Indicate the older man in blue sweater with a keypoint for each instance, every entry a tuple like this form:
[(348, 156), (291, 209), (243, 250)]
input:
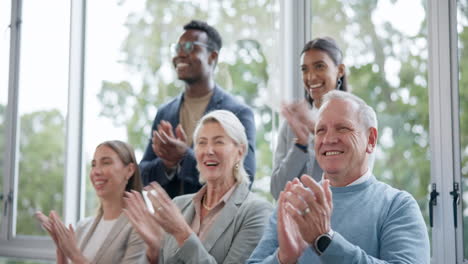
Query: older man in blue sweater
[(350, 217)]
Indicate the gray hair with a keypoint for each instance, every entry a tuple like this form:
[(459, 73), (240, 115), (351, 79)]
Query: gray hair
[(367, 115), (235, 130)]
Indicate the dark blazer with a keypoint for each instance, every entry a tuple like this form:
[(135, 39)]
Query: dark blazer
[(122, 244), (231, 239), (186, 179)]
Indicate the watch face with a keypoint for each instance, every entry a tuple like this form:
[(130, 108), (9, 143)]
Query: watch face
[(323, 242)]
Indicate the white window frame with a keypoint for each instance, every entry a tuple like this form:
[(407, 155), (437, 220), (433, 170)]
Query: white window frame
[(447, 241), (295, 31), (37, 247)]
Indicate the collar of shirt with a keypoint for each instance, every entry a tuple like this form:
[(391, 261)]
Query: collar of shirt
[(359, 180)]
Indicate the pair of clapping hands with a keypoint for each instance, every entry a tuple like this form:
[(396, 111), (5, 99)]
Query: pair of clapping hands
[(63, 237), (304, 213), (166, 217), (167, 146)]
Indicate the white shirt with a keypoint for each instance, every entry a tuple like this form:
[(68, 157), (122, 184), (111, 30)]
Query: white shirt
[(100, 234), (359, 180)]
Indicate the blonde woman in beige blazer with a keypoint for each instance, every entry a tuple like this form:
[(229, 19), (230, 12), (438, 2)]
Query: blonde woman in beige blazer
[(109, 237), (221, 223)]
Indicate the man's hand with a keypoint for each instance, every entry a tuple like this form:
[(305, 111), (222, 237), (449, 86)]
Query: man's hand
[(310, 208), (291, 244), (167, 146)]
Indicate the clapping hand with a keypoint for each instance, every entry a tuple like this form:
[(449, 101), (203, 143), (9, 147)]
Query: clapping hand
[(169, 147)]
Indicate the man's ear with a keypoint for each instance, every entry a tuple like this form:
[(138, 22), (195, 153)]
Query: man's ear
[(213, 58), (371, 140)]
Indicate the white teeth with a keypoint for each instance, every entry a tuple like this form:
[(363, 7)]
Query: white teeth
[(211, 163), (331, 153), (315, 85), (181, 64), (98, 183)]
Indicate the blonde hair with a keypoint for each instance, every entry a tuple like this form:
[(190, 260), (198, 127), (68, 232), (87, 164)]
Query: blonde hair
[(235, 130)]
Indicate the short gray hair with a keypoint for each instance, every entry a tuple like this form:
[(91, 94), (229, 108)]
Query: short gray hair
[(235, 130), (367, 115)]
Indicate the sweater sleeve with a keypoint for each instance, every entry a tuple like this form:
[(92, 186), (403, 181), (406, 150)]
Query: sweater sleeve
[(403, 238)]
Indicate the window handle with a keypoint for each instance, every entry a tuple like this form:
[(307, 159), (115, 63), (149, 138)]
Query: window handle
[(456, 200), (8, 200), (432, 202)]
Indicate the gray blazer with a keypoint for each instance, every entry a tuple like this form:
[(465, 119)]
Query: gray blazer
[(231, 239), (122, 244), (291, 162)]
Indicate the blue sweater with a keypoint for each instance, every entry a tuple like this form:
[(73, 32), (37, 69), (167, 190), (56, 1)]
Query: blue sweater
[(374, 223)]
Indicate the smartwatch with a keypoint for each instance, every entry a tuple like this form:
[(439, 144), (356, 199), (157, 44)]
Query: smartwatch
[(322, 242)]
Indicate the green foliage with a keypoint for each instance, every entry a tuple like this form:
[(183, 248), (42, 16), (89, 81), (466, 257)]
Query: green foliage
[(402, 104), (41, 167), (243, 70)]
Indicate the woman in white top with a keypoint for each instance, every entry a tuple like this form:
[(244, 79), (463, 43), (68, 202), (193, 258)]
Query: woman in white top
[(108, 237), (322, 71)]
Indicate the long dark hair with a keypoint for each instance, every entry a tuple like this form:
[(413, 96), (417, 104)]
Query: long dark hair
[(329, 46)]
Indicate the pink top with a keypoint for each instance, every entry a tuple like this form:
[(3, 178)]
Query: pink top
[(201, 228)]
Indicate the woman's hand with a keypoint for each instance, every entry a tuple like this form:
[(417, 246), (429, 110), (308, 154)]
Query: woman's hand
[(297, 115), (66, 239), (167, 214), (46, 223), (144, 223)]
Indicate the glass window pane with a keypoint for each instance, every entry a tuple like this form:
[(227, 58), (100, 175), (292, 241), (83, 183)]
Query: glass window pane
[(129, 70), (5, 11), (42, 107), (386, 54), (4, 260), (462, 29)]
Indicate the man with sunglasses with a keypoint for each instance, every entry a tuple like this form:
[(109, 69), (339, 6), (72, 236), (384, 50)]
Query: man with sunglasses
[(169, 158)]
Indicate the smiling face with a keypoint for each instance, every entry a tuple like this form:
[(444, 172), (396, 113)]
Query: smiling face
[(196, 65), (342, 143), (319, 74), (109, 175), (216, 154)]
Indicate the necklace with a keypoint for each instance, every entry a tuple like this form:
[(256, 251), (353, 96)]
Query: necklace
[(206, 206)]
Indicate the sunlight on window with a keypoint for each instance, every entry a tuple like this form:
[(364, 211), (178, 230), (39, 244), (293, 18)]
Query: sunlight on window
[(42, 107)]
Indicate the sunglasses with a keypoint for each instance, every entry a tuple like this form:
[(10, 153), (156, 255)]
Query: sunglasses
[(187, 47)]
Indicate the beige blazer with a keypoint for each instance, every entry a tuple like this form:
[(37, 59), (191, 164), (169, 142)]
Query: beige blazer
[(122, 244), (231, 239)]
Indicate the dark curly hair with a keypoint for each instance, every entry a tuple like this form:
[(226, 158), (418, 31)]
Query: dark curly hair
[(214, 39), (329, 46)]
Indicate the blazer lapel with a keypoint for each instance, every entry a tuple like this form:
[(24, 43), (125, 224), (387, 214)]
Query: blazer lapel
[(170, 244), (90, 232), (216, 99), (226, 216), (113, 233)]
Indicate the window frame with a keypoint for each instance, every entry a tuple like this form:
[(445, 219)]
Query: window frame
[(295, 30), (42, 247)]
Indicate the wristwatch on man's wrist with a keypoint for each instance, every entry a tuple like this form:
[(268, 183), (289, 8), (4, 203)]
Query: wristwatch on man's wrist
[(322, 242)]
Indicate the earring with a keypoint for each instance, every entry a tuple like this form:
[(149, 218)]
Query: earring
[(236, 167), (338, 83)]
